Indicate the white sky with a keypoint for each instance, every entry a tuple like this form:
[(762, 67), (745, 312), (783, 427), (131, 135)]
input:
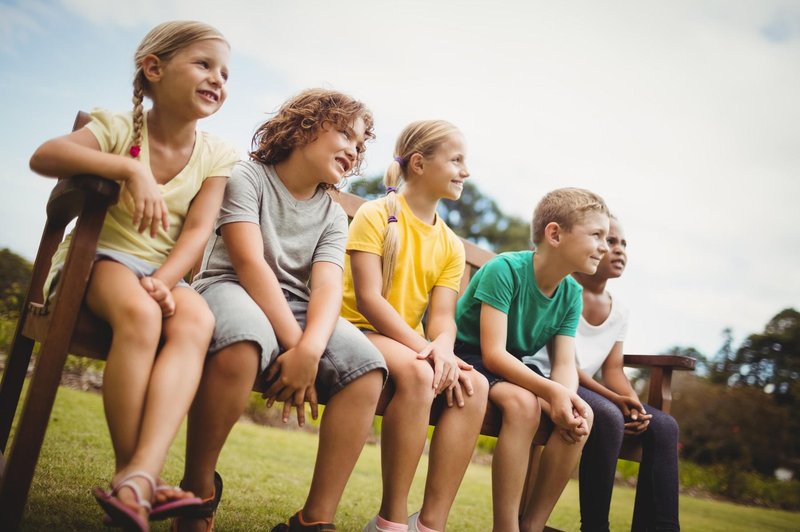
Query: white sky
[(684, 116)]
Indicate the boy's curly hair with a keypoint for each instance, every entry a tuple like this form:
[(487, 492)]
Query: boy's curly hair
[(566, 207), (298, 122)]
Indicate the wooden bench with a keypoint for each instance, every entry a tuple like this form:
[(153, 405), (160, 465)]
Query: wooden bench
[(67, 326)]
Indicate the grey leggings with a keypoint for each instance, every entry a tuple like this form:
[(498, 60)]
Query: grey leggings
[(656, 506)]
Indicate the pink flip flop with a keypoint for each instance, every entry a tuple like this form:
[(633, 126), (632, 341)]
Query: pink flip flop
[(120, 513), (176, 507)]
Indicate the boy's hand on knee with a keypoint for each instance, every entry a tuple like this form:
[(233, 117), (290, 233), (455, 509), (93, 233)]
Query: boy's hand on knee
[(294, 373), (569, 413), (160, 293)]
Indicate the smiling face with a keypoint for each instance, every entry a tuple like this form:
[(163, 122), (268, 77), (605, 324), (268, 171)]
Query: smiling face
[(584, 246), (192, 82), (444, 172), (613, 263), (334, 153)]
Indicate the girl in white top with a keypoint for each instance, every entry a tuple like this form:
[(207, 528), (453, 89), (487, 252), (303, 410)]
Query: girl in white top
[(173, 179), (618, 412)]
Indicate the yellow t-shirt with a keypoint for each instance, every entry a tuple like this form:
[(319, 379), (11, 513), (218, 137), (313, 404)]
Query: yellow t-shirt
[(429, 256), (211, 157)]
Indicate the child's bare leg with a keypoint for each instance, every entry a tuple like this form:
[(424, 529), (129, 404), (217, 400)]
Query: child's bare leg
[(344, 429), (175, 377), (557, 462), (224, 390), (521, 414), (115, 295), (405, 424), (530, 479), (451, 449)]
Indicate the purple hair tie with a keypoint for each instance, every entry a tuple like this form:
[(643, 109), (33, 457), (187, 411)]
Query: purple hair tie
[(400, 160), (391, 189), (392, 219)]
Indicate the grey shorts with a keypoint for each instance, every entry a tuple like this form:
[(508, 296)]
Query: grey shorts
[(349, 354), (140, 268)]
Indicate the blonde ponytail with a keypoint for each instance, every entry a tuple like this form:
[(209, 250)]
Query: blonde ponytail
[(391, 237)]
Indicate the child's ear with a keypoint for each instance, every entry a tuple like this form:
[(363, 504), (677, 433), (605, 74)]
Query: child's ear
[(152, 67), (416, 163), (552, 234)]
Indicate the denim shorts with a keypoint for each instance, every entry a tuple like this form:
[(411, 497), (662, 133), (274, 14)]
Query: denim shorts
[(349, 354), (472, 355)]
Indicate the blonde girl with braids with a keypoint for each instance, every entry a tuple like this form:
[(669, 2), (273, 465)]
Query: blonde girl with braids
[(403, 261), (173, 178)]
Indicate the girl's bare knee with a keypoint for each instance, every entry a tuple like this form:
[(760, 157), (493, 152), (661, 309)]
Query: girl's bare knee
[(480, 392), (195, 321), (138, 319), (415, 380)]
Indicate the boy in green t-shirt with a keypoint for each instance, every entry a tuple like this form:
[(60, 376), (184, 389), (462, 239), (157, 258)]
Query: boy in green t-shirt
[(515, 304)]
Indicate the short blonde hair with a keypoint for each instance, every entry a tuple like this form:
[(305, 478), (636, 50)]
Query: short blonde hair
[(566, 207), (423, 137), (299, 121), (163, 41)]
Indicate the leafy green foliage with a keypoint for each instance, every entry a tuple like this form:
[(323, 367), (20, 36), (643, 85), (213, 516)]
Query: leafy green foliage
[(15, 276)]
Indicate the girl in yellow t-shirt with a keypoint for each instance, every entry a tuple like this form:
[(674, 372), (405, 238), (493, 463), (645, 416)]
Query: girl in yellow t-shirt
[(403, 260), (173, 179)]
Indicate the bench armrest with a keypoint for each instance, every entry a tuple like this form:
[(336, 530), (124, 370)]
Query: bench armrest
[(661, 366), (679, 362), (71, 194)]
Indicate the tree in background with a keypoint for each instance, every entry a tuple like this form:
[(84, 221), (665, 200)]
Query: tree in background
[(475, 217), (770, 360), (15, 276), (744, 413)]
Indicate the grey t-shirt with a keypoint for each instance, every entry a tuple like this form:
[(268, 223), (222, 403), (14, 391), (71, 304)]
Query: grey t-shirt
[(296, 233)]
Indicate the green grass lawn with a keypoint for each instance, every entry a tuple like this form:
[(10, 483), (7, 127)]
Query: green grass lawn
[(267, 472)]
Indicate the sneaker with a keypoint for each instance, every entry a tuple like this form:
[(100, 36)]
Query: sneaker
[(372, 526), (296, 526), (412, 522)]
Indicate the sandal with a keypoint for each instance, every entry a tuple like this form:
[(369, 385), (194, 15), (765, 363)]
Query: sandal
[(121, 514), (174, 506), (296, 524), (206, 510)]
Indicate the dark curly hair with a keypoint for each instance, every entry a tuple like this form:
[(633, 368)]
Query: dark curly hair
[(298, 122)]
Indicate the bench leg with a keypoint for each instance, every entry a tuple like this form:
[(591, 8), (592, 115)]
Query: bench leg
[(11, 386), (28, 438)]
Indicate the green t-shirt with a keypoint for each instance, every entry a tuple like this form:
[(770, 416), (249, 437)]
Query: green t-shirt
[(508, 283)]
